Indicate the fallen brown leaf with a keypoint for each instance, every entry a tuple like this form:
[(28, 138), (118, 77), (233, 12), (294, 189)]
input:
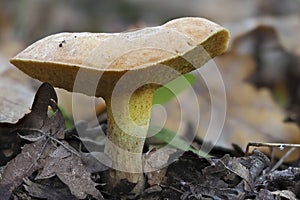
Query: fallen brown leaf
[(30, 159), (70, 170), (47, 152), (17, 92), (13, 100), (156, 162), (49, 192)]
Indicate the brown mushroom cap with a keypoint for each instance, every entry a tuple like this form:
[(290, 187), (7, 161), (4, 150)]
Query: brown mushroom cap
[(182, 44)]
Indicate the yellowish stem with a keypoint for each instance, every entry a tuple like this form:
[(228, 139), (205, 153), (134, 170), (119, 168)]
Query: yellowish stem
[(128, 122)]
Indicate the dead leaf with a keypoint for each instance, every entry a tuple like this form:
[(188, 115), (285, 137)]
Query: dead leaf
[(282, 180), (158, 158), (156, 162), (286, 194), (30, 159), (44, 191), (265, 194), (215, 183), (48, 154), (228, 177), (70, 170), (16, 94), (15, 100), (92, 162)]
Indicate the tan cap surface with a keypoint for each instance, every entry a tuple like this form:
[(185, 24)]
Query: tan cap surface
[(182, 44)]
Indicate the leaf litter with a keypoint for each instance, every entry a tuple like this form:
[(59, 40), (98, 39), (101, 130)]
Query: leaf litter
[(45, 151), (51, 165), (227, 177)]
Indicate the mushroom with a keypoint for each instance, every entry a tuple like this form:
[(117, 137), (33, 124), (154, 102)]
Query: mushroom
[(124, 69)]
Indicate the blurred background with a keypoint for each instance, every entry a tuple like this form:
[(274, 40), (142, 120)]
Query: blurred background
[(264, 34), (23, 22)]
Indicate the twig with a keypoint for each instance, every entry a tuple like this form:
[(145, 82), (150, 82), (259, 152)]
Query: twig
[(283, 158), (49, 136), (266, 144), (173, 188), (61, 143), (39, 155), (281, 146)]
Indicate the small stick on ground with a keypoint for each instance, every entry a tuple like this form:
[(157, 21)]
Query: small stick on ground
[(50, 137), (266, 144), (274, 145)]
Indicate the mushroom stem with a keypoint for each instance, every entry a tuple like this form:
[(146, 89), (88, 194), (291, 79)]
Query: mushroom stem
[(128, 118)]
